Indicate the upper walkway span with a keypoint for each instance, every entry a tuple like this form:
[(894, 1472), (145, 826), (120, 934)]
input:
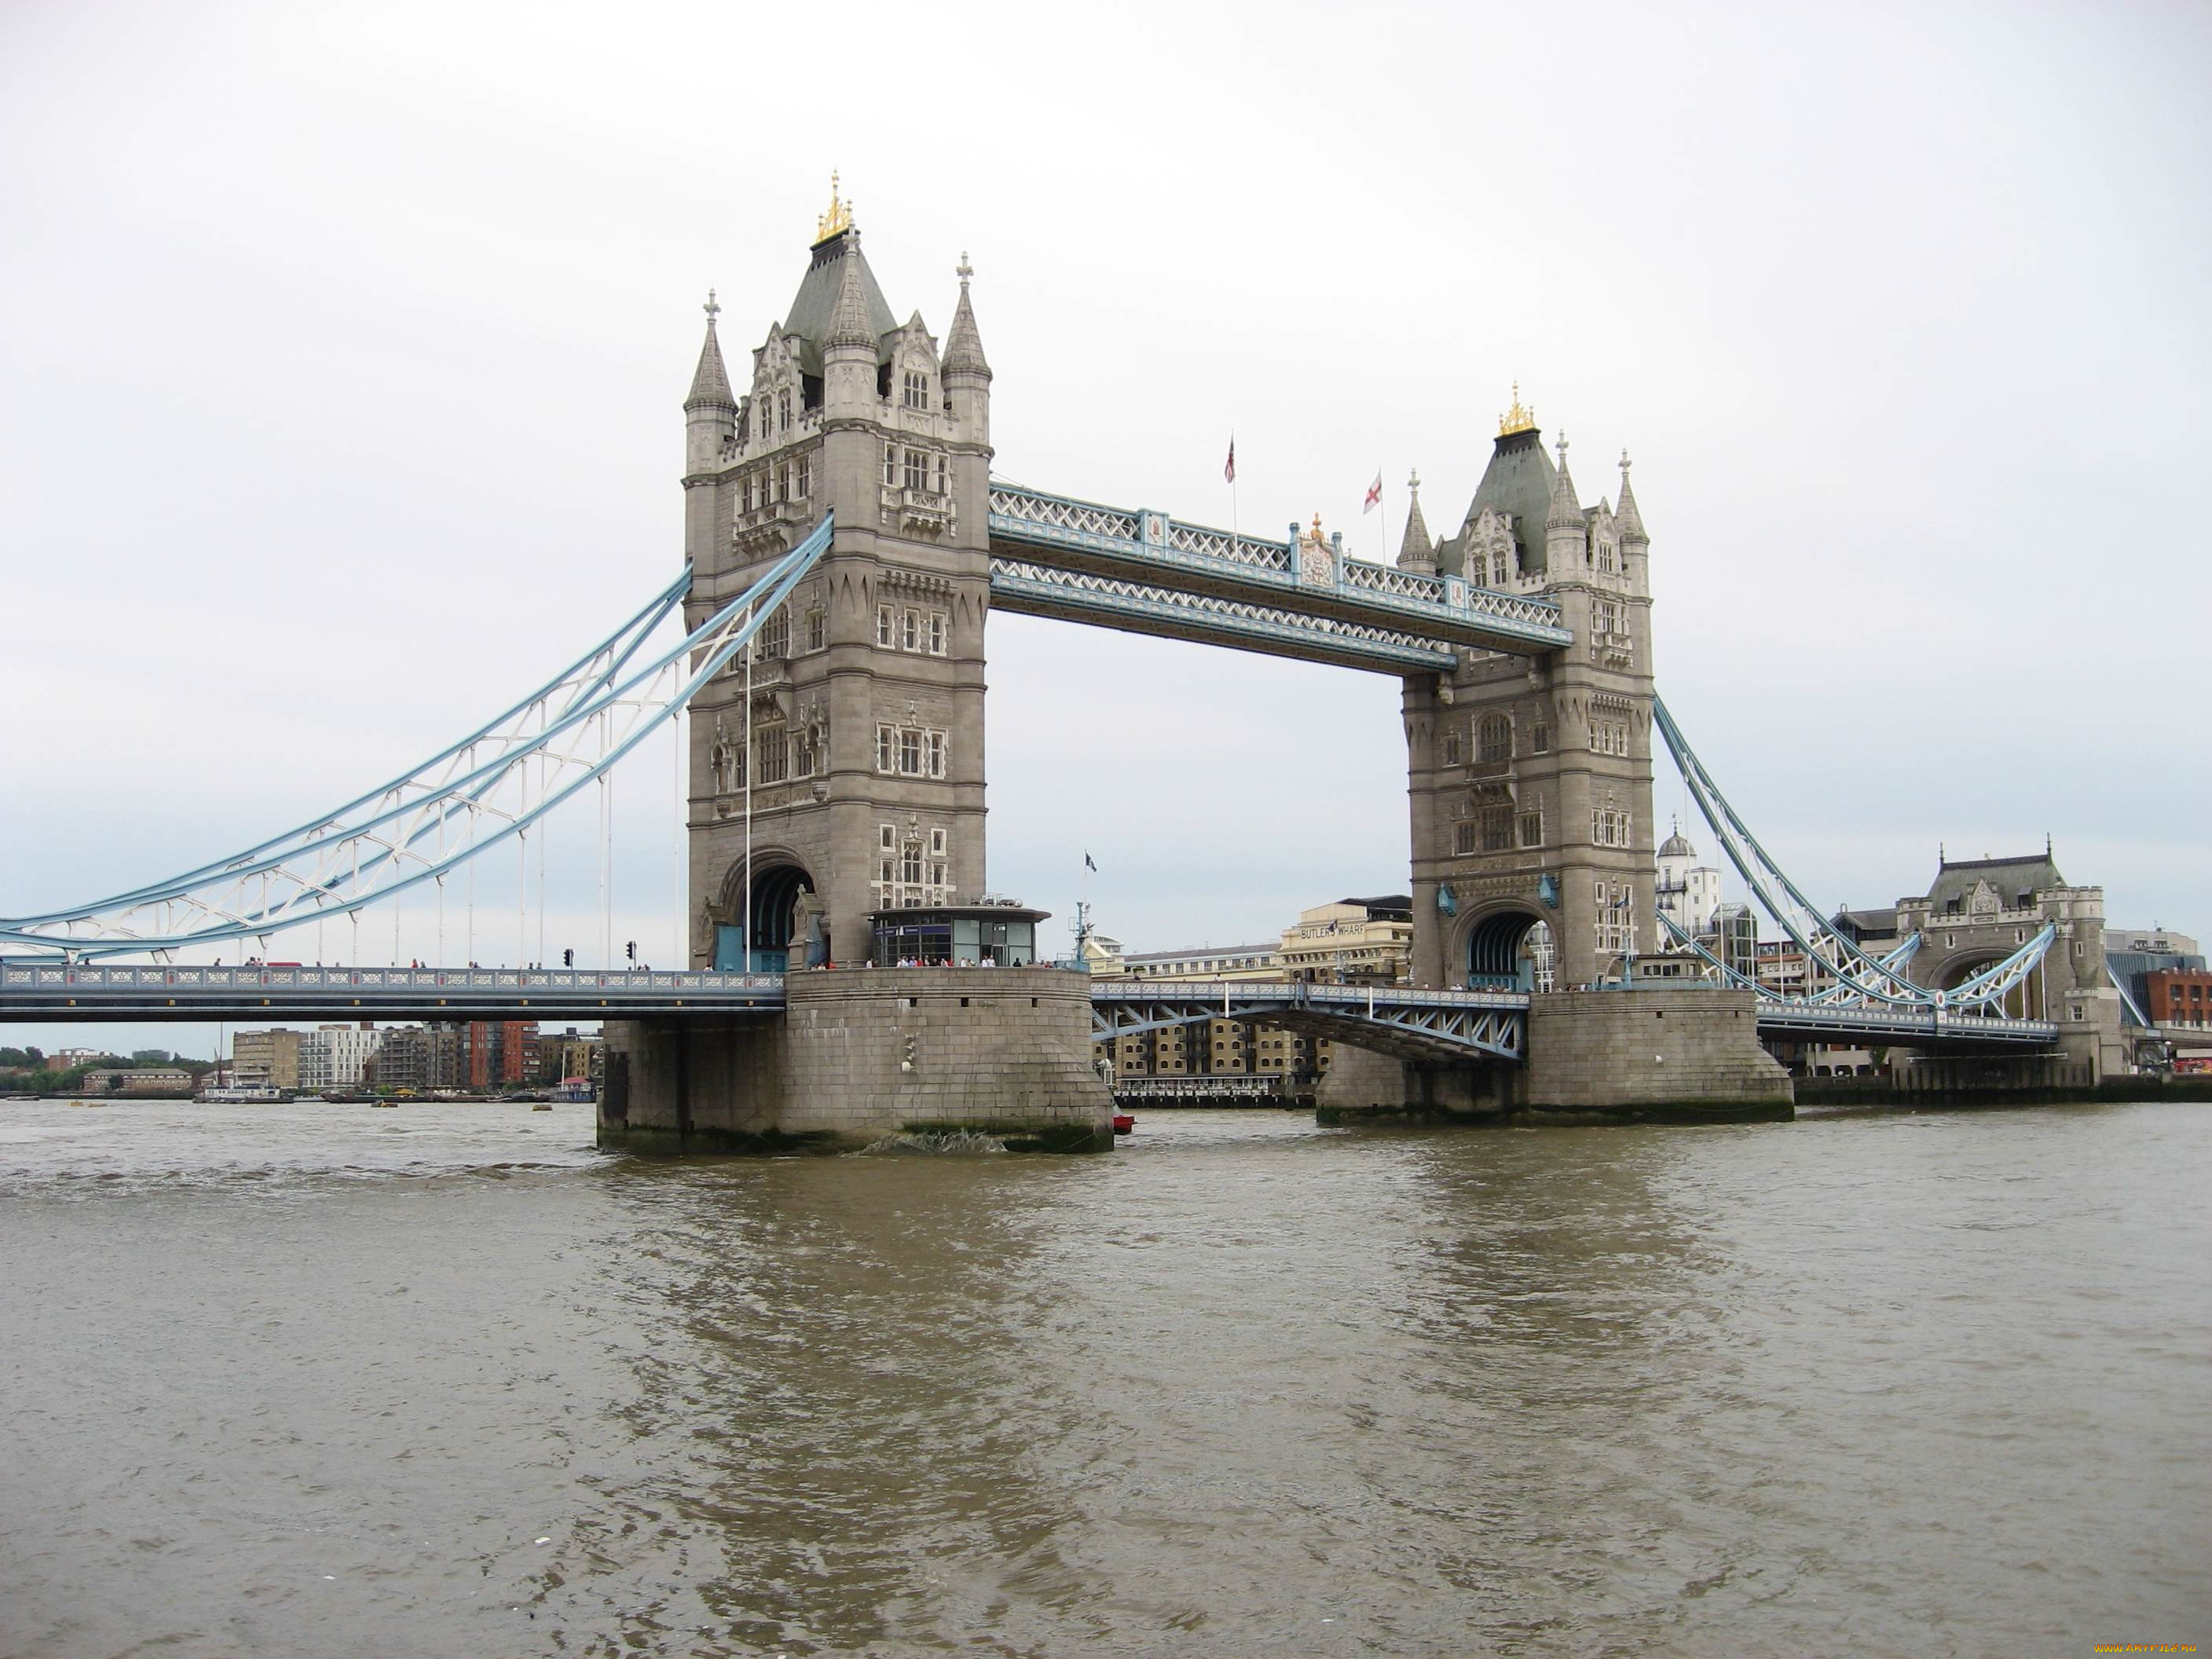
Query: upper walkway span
[(1146, 573)]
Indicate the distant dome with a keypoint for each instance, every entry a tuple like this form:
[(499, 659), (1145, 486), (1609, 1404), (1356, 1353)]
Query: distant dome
[(1674, 847)]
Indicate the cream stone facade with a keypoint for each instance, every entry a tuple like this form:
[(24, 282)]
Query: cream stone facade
[(1531, 775), (863, 735)]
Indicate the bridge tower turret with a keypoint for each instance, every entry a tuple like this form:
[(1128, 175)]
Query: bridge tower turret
[(1416, 553), (1530, 777), (866, 756), (710, 428)]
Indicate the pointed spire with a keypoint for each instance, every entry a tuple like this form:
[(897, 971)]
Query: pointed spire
[(1416, 551), (1566, 512), (1630, 521), (964, 346), (710, 382), (848, 320)]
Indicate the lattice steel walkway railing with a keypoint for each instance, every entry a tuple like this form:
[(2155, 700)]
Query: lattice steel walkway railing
[(1027, 587), (1295, 581)]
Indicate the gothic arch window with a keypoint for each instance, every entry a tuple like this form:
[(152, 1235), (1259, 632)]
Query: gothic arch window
[(916, 390), (1494, 739)]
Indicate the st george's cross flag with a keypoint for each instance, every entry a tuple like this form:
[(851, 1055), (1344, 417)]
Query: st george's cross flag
[(1374, 494), (1228, 471)]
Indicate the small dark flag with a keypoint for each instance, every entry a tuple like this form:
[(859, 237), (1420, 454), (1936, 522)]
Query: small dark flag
[(1090, 864), (1229, 472)]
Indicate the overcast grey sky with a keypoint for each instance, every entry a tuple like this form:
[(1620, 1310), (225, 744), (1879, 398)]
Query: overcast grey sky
[(343, 348)]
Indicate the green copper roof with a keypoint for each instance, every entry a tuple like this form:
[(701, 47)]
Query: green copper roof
[(816, 302), (2008, 877), (1517, 482)]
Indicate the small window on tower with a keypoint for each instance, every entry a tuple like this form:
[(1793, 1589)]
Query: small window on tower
[(917, 390)]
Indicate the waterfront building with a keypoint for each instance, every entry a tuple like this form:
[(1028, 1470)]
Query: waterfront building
[(139, 1080), (1354, 941), (1202, 961), (337, 1056), (1688, 892), (499, 1052), (2150, 941), (567, 1057), (2179, 996), (267, 1060)]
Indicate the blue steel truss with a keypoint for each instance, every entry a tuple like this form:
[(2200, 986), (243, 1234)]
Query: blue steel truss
[(1044, 590), (452, 808), (1290, 578), (1856, 976), (57, 992), (1390, 1019)]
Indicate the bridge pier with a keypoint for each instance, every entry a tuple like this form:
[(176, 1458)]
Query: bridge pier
[(860, 1055), (1676, 1055)]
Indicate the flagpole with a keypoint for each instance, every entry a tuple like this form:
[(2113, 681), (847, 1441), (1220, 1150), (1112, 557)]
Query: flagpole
[(1235, 534)]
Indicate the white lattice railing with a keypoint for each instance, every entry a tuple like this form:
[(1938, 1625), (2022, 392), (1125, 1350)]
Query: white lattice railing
[(1146, 599), (1399, 584), (1083, 518), (1153, 537), (1229, 545)]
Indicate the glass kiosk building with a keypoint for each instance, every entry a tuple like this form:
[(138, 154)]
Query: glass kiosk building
[(956, 936)]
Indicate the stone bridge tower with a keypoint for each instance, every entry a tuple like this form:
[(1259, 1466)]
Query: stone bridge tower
[(1530, 777), (865, 748)]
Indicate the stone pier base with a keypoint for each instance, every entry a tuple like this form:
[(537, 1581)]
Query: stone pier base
[(1675, 1054), (1667, 1054), (1363, 1086), (861, 1054)]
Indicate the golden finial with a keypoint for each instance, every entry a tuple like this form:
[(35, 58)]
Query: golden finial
[(838, 220), (1316, 527), (1516, 419)]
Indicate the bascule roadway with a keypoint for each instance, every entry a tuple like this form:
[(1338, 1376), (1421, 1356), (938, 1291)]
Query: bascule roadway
[(1418, 1024)]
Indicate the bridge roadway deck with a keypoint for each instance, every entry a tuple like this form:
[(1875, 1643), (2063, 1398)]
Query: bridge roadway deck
[(1416, 1024)]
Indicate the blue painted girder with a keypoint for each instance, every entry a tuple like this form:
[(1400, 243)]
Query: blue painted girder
[(1301, 587)]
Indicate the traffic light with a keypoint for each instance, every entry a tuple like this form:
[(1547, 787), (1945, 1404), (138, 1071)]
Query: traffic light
[(568, 959), (630, 950)]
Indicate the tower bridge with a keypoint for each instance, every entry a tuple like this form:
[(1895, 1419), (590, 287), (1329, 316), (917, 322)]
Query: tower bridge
[(845, 545)]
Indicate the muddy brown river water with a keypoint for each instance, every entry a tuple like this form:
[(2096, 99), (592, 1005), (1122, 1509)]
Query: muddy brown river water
[(321, 1380)]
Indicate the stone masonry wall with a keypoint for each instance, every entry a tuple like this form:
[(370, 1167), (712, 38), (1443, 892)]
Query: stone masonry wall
[(1613, 1050), (861, 1053)]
